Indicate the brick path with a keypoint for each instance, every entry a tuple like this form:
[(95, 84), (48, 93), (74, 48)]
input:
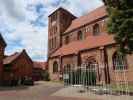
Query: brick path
[(41, 91)]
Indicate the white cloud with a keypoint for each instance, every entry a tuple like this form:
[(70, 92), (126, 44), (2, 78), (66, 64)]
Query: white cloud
[(77, 7), (13, 8), (33, 39), (16, 17)]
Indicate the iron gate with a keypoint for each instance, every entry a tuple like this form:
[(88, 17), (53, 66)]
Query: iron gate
[(88, 79)]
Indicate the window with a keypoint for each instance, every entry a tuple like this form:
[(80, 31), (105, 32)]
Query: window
[(66, 39), (119, 62), (80, 35), (55, 29), (55, 67), (87, 29), (55, 42), (49, 43), (52, 43), (96, 29), (7, 68)]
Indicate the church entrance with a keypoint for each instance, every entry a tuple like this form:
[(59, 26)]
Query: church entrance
[(84, 75)]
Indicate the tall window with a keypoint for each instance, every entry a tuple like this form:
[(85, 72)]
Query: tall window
[(49, 43), (67, 39), (52, 42), (96, 29), (55, 67), (80, 35), (55, 42), (119, 62)]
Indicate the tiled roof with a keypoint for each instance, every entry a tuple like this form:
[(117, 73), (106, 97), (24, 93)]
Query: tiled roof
[(9, 59), (83, 20), (40, 65), (2, 41), (89, 43)]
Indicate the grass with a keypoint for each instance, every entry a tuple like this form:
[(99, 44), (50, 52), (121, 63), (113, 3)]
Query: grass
[(56, 81), (122, 87)]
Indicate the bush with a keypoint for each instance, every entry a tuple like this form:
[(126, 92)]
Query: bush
[(45, 75)]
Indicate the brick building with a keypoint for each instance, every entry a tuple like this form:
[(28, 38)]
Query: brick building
[(38, 70), (17, 67), (2, 49), (73, 42)]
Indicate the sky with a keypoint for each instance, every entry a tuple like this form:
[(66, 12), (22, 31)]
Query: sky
[(24, 23)]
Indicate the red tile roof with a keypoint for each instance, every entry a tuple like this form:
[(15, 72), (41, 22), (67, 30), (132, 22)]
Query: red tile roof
[(89, 43), (40, 65), (9, 59), (83, 20)]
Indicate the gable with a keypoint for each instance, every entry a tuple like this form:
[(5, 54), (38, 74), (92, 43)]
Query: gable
[(16, 57)]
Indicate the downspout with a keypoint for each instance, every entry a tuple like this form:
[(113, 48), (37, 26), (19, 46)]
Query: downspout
[(61, 68), (79, 59), (107, 75)]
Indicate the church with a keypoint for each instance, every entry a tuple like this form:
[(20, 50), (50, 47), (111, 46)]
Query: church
[(77, 41)]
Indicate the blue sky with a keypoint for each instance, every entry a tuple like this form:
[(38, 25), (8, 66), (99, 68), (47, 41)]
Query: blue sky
[(24, 24)]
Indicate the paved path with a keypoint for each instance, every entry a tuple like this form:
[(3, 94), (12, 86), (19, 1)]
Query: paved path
[(75, 92), (40, 91)]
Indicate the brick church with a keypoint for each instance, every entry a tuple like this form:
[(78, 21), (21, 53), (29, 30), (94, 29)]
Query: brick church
[(76, 41)]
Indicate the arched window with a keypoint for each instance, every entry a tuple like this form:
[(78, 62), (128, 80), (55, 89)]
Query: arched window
[(91, 64), (80, 35), (55, 67), (119, 62), (96, 29), (66, 39)]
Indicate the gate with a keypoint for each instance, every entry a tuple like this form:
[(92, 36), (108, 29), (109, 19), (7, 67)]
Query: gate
[(80, 76), (87, 79)]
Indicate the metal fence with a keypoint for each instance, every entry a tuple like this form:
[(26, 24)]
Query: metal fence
[(89, 79)]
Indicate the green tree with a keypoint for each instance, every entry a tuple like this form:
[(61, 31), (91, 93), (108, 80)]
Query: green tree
[(120, 23)]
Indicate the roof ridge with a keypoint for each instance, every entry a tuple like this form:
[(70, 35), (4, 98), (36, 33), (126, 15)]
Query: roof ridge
[(88, 13), (86, 19), (89, 43)]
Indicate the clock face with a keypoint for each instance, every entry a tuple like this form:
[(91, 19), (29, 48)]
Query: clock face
[(53, 23)]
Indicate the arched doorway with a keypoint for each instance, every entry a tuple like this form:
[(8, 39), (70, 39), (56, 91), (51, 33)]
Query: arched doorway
[(91, 68)]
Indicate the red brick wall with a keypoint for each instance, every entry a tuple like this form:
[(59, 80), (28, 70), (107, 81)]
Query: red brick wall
[(87, 30), (54, 76), (62, 22), (117, 76), (95, 54), (21, 67), (72, 60), (1, 62)]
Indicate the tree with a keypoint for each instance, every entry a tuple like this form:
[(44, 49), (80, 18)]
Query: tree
[(120, 23)]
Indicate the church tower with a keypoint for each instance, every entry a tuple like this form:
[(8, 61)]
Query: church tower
[(58, 22)]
